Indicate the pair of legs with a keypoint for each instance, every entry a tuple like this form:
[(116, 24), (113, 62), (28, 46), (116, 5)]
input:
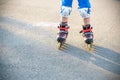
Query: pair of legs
[(85, 20), (83, 7)]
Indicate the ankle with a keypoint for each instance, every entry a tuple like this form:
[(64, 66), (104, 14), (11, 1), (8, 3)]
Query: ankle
[(87, 26), (63, 24)]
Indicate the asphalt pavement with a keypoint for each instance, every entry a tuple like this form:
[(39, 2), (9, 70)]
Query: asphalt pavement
[(28, 46)]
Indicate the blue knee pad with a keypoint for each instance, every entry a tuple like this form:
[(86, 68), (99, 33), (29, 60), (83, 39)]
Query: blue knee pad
[(66, 8), (65, 11), (84, 12), (84, 8)]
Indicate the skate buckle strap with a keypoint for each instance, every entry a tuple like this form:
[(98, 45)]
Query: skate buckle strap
[(65, 29), (87, 30)]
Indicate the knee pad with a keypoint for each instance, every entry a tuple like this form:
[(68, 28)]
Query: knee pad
[(84, 12), (65, 11)]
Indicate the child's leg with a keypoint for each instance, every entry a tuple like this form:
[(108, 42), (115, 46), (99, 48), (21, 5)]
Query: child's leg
[(86, 21), (85, 13), (84, 9), (66, 9)]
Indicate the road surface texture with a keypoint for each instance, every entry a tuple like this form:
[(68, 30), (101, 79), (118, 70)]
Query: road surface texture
[(28, 46)]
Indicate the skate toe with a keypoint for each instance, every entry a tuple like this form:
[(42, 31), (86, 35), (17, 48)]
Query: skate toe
[(89, 41)]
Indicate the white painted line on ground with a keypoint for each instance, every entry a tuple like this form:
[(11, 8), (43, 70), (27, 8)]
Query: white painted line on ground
[(46, 24)]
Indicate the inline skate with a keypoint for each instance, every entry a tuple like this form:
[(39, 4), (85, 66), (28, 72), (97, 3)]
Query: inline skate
[(88, 35), (62, 35)]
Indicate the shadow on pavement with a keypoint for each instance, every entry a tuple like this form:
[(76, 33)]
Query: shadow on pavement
[(101, 57), (5, 69)]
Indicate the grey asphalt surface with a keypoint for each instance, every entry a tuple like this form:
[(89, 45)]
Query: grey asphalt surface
[(28, 47)]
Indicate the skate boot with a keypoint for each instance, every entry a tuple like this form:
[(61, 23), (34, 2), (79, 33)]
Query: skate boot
[(63, 33), (87, 34)]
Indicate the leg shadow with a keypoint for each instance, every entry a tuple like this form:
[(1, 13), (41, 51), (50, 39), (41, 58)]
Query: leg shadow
[(103, 57)]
